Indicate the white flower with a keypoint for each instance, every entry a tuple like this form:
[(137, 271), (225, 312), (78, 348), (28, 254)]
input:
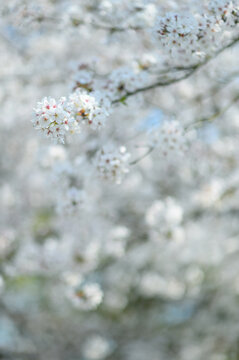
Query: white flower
[(97, 348), (112, 163), (86, 296)]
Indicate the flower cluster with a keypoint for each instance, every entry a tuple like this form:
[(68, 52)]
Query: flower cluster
[(220, 6), (226, 11), (176, 32), (109, 265), (56, 119), (112, 164), (169, 139), (89, 109), (188, 35), (53, 118)]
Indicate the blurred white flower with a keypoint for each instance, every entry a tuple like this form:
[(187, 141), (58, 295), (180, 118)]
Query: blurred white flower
[(85, 296), (112, 163), (97, 347)]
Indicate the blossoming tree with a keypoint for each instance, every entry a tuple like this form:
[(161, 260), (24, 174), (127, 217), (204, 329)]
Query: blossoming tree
[(119, 214)]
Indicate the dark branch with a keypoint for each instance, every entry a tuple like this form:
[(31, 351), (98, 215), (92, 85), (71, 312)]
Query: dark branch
[(189, 71)]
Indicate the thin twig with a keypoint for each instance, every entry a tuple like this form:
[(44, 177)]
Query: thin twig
[(200, 122), (151, 148)]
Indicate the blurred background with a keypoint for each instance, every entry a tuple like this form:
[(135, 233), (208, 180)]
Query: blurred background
[(149, 268)]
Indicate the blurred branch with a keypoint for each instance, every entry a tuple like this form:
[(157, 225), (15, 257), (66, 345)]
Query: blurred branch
[(200, 122), (150, 149), (190, 70), (221, 86), (195, 124), (113, 29)]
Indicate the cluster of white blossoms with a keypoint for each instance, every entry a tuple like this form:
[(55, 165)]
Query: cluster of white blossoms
[(112, 163), (169, 139), (89, 109), (189, 34), (85, 296), (56, 119), (176, 32), (225, 10), (91, 270), (53, 118)]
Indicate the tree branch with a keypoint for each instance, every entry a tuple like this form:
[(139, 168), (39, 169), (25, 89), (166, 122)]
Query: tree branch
[(150, 149), (191, 69), (200, 122)]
